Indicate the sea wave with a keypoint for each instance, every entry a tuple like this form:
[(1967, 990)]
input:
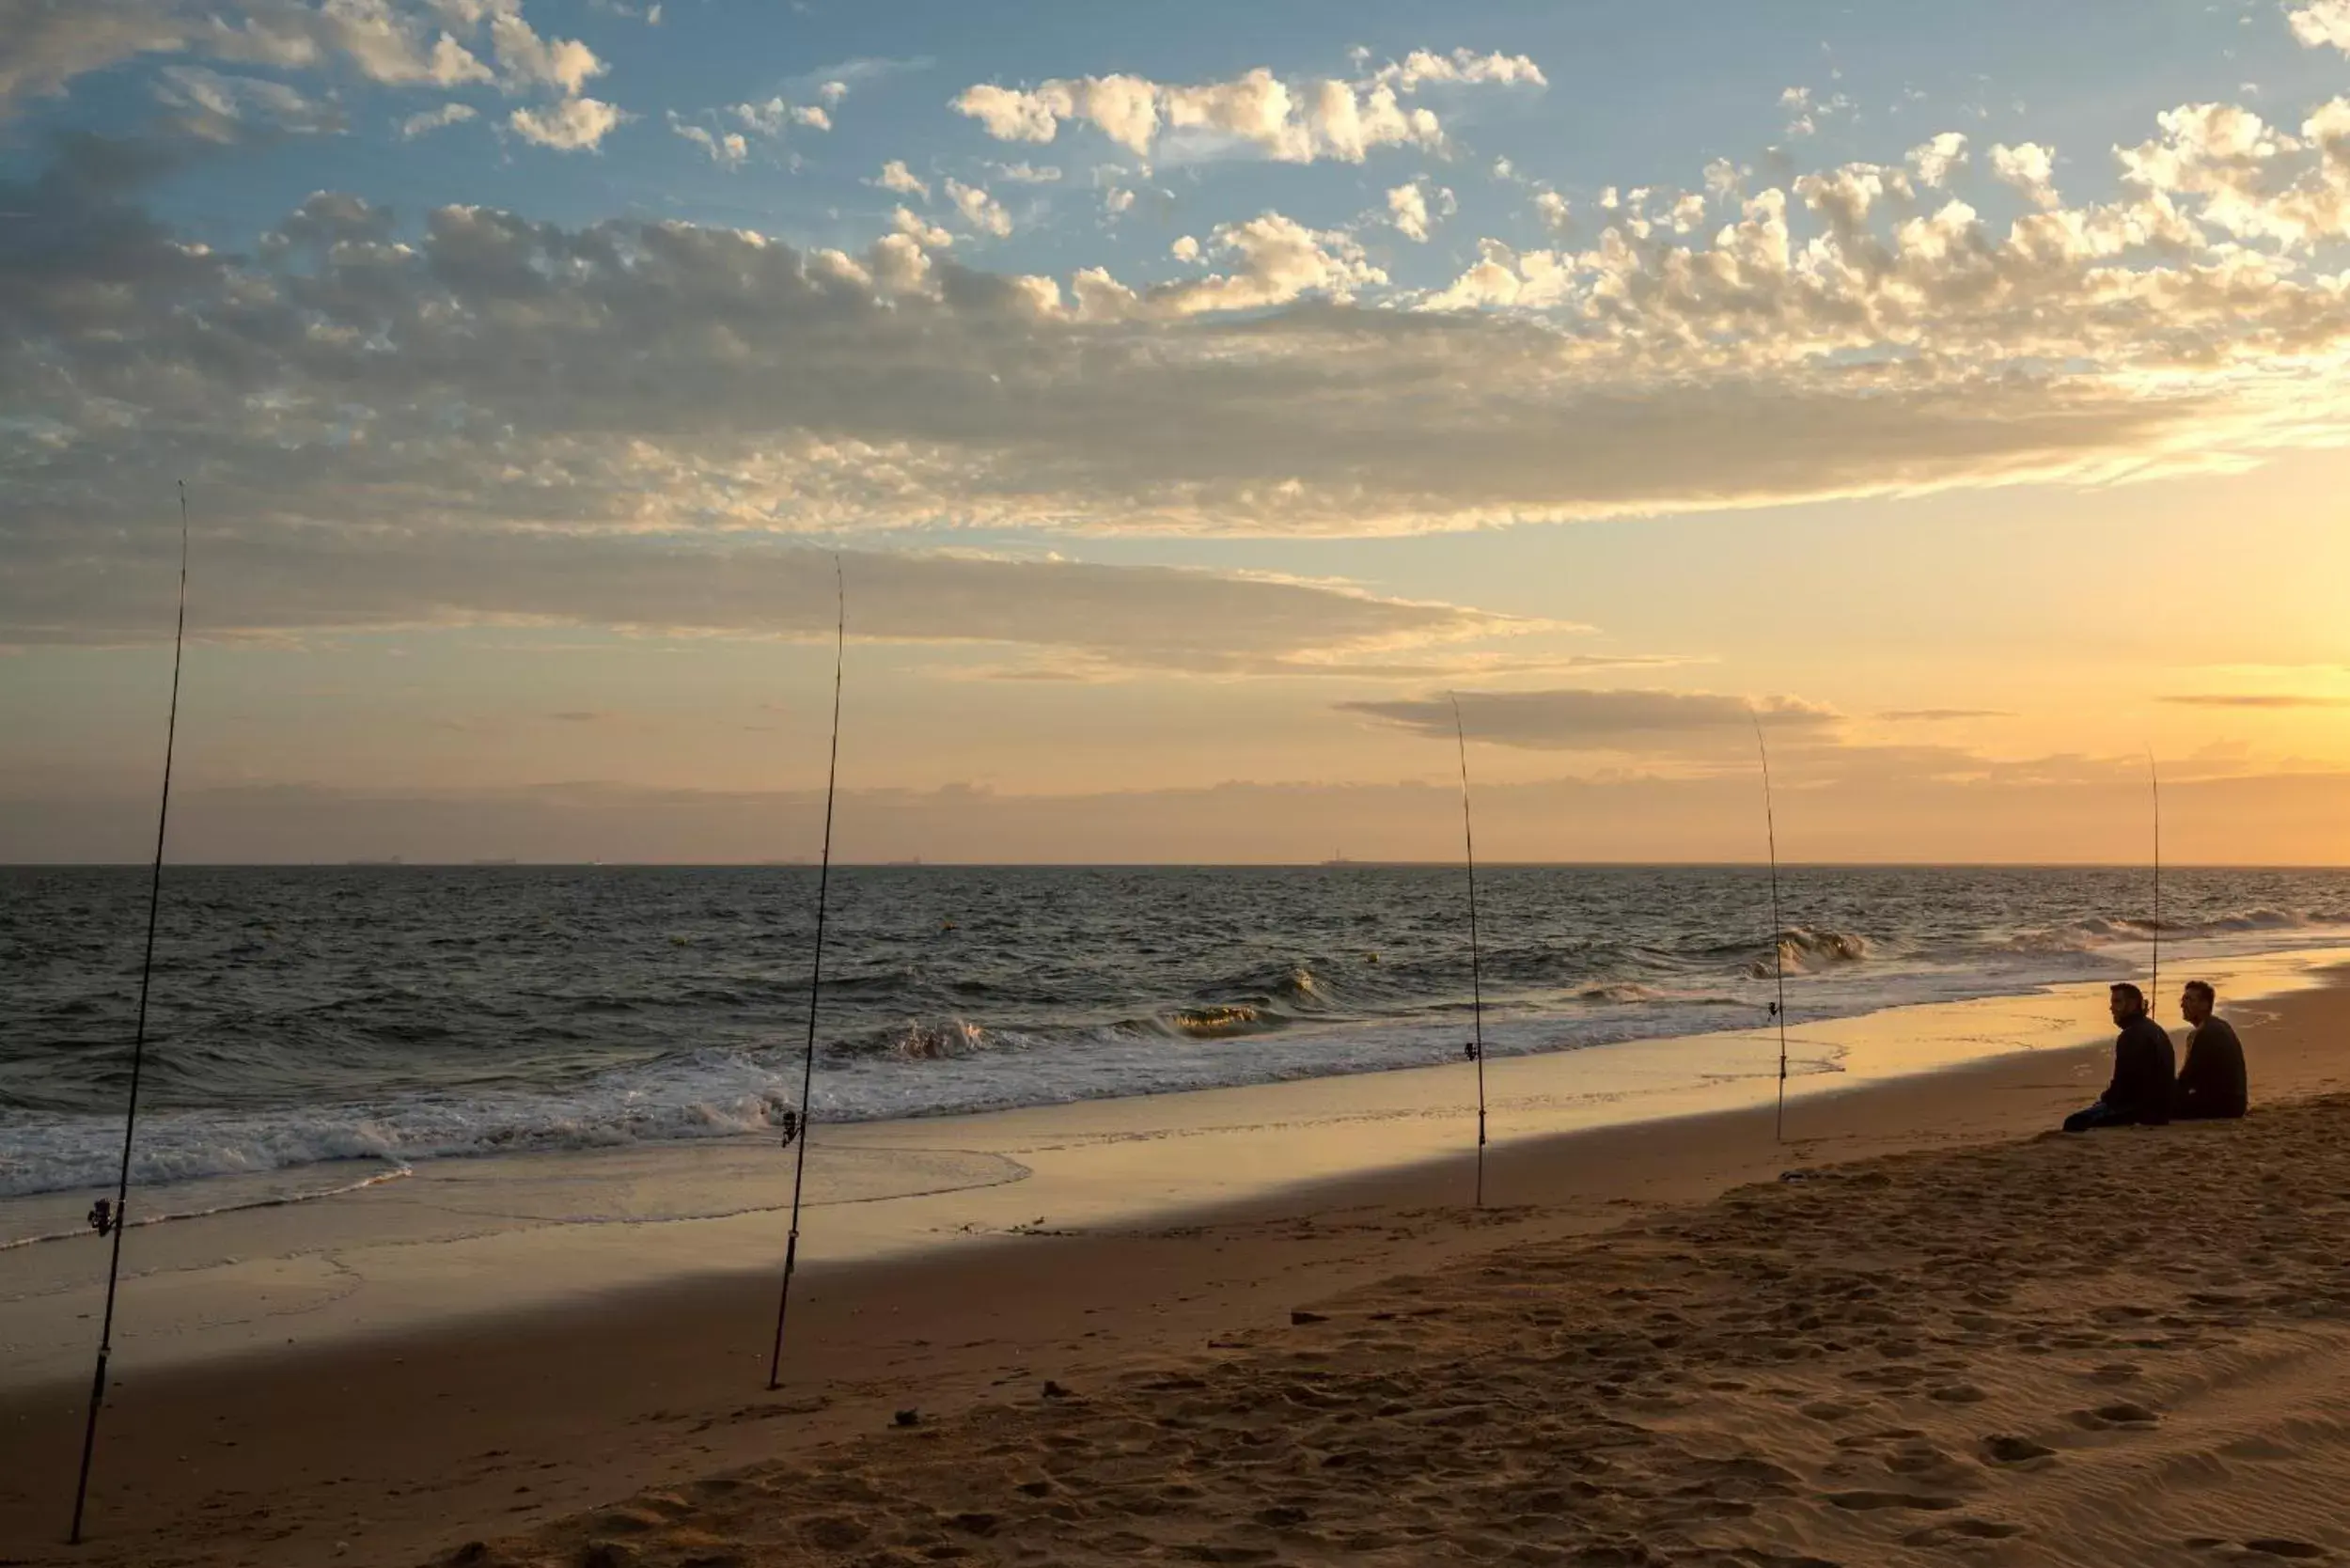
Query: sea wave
[(2102, 932), (1805, 950)]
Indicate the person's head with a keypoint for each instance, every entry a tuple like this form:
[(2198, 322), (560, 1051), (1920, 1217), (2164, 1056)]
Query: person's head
[(2128, 1002), (2195, 1002)]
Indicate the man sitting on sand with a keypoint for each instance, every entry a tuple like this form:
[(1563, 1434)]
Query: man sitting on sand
[(2211, 1084), (2140, 1094)]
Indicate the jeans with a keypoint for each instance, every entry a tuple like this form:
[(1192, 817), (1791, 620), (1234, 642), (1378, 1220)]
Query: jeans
[(2098, 1115)]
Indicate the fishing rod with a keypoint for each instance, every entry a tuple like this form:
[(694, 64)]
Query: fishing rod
[(1476, 982), (111, 1220), (1779, 931), (2153, 776), (795, 1124)]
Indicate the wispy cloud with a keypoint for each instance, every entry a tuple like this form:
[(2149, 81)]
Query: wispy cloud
[(2256, 699)]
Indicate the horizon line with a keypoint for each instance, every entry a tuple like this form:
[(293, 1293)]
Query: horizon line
[(396, 863)]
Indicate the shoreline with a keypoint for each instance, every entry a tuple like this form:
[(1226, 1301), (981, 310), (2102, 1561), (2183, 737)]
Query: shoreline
[(443, 1241), (263, 1452)]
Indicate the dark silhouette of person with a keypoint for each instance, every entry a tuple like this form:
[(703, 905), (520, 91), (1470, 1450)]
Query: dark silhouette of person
[(2144, 1075), (2212, 1082)]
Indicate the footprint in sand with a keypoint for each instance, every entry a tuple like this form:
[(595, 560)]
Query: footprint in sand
[(2002, 1448), (2106, 1416), (2278, 1546), (1965, 1530), (1864, 1501)]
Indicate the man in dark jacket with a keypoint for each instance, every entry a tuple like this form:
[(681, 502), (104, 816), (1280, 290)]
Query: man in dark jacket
[(2143, 1070), (2211, 1083)]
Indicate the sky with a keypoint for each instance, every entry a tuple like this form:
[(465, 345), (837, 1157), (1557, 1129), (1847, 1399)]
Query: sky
[(1196, 403)]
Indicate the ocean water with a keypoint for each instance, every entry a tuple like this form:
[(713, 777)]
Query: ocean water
[(302, 1018)]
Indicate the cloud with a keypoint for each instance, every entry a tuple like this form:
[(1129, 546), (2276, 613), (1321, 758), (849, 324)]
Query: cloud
[(572, 125), (1026, 173), (1409, 206), (274, 581), (1256, 111), (896, 176), (2030, 169), (1420, 67), (2256, 700), (979, 210), (922, 233), (214, 105), (2320, 24), (773, 117), (1937, 158), (434, 119), (1275, 259), (728, 149), (394, 44), (1830, 336), (1574, 719), (526, 59), (1940, 715)]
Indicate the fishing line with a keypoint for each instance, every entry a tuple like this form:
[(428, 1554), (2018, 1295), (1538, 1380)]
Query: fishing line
[(1476, 982), (1778, 930), (108, 1221), (796, 1125)]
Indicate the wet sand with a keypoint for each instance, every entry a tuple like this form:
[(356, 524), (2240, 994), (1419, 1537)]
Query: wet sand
[(1201, 1420)]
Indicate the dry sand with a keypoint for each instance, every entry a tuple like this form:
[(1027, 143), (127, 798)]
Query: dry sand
[(2129, 1348)]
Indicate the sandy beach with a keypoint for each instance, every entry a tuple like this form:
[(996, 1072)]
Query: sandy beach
[(1647, 1348)]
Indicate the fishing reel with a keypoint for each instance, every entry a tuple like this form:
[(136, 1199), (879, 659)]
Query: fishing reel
[(1774, 1009), (102, 1218), (1472, 1051), (791, 1125)]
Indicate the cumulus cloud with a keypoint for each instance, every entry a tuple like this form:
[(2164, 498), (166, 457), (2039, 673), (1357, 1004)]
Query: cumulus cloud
[(1577, 719), (896, 176), (922, 233), (526, 59), (1937, 158), (1296, 123), (2030, 169), (1420, 67), (1407, 206), (2320, 23), (570, 125), (979, 210), (1273, 259)]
